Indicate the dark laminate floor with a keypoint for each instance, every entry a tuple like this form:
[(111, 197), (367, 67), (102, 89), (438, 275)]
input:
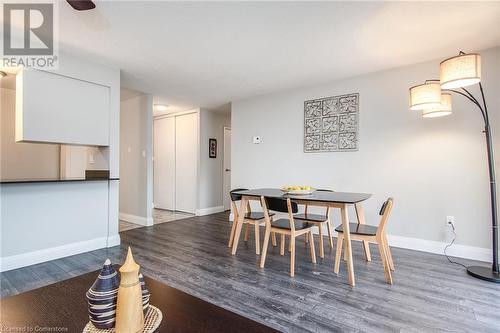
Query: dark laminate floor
[(429, 295)]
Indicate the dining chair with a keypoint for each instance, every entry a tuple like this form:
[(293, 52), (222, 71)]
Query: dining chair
[(319, 220), (251, 218), (285, 227), (371, 234)]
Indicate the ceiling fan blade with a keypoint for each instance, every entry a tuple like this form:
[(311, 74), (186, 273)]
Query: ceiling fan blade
[(81, 4)]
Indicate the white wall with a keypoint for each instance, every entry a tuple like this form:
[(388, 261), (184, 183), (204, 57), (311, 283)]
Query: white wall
[(210, 175), (15, 155), (68, 218), (135, 160), (432, 167)]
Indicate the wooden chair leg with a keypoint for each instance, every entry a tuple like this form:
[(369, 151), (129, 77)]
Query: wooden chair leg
[(345, 252), (383, 256), (366, 247), (389, 254), (290, 245), (282, 245), (311, 247), (321, 249), (246, 233), (330, 233), (264, 247), (292, 256), (257, 238), (273, 238), (338, 252), (231, 235)]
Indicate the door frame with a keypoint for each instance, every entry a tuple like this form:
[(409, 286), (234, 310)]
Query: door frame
[(226, 128), (178, 114)]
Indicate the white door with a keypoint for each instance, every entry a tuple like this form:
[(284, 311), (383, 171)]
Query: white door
[(226, 181), (164, 163), (186, 151)]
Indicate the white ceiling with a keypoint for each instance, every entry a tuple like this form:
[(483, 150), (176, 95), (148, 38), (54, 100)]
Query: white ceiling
[(209, 53)]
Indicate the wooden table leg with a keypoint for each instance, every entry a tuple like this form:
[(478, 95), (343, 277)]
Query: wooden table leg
[(347, 239), (360, 213), (239, 225)]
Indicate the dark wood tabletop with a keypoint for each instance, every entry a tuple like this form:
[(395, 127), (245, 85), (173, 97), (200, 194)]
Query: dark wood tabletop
[(323, 196), (62, 307)]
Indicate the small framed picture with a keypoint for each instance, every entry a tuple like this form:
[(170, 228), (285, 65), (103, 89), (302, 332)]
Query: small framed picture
[(212, 148)]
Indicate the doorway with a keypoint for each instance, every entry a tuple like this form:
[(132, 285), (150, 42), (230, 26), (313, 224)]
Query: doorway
[(226, 180), (175, 162)]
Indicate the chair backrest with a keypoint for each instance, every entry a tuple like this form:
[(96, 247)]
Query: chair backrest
[(235, 196), (280, 205), (384, 212)]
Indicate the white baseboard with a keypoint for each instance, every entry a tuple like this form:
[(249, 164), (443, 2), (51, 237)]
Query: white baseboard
[(36, 257), (136, 219), (456, 250), (209, 210)]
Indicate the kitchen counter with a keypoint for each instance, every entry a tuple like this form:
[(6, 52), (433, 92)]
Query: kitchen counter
[(54, 180)]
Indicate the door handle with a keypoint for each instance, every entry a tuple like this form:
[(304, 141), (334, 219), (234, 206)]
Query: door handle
[(228, 169)]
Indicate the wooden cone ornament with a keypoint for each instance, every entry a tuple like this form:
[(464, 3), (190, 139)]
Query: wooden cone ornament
[(129, 312)]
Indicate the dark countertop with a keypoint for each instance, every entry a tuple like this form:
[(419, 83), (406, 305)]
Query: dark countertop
[(53, 180)]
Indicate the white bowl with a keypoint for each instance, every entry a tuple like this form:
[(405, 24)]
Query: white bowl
[(299, 192)]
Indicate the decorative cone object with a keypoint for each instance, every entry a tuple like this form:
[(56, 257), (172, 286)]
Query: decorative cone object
[(129, 312), (145, 294), (102, 297)]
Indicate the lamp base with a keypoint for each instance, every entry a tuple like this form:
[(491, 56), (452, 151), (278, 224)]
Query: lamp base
[(484, 273)]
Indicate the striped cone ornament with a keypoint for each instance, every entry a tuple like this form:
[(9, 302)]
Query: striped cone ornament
[(145, 294), (102, 297)]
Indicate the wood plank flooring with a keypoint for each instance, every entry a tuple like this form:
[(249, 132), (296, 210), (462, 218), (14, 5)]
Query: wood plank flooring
[(428, 295)]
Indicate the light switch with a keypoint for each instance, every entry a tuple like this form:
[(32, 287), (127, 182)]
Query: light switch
[(143, 153), (91, 158), (256, 139), (129, 149)]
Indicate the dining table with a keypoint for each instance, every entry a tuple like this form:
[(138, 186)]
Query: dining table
[(339, 200)]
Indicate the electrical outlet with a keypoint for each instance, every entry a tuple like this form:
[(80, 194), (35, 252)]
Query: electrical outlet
[(450, 220)]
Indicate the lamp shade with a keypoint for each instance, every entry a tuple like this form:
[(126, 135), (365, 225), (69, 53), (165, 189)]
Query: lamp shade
[(425, 96), (460, 71), (443, 110)]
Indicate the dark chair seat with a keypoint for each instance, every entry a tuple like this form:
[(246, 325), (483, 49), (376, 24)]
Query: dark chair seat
[(256, 215), (285, 224), (311, 217), (360, 229)]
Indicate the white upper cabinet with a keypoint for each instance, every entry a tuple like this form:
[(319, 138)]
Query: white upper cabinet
[(60, 109)]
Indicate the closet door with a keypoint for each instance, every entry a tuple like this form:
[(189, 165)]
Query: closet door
[(186, 150), (164, 163)]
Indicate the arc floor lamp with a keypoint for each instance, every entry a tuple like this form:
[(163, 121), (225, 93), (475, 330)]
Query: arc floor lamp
[(433, 98)]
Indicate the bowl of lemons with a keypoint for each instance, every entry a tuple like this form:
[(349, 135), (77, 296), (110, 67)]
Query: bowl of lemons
[(298, 190)]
